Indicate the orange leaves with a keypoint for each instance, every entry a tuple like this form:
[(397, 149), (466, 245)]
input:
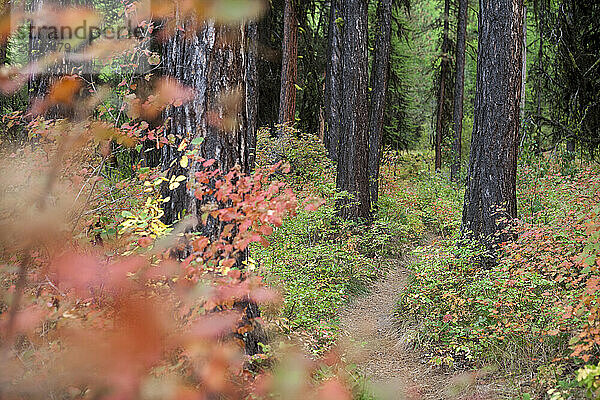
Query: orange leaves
[(78, 272), (103, 131), (145, 241), (266, 230), (117, 320), (592, 285), (117, 355), (62, 92), (214, 326), (25, 321), (167, 92), (333, 389), (208, 163), (246, 207)]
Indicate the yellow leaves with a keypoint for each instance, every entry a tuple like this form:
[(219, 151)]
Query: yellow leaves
[(175, 181), (184, 162), (182, 146), (154, 59), (144, 223), (250, 264)]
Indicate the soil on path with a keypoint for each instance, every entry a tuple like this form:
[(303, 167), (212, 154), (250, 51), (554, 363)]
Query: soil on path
[(375, 343)]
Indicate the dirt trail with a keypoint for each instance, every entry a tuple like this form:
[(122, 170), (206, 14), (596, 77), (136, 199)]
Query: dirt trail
[(371, 334)]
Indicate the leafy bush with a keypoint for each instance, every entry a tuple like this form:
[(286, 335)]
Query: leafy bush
[(536, 310), (313, 258), (117, 316), (417, 199)]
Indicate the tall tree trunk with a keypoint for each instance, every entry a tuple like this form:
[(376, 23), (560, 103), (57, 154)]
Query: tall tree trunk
[(213, 62), (538, 93), (352, 174), (524, 64), (251, 93), (442, 89), (459, 87), (490, 200), (333, 83), (42, 42), (219, 63), (538, 76), (289, 65), (379, 86)]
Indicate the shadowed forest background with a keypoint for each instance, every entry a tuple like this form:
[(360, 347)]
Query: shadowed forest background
[(290, 199)]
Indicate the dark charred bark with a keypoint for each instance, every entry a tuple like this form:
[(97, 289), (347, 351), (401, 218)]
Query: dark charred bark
[(379, 86), (270, 34), (289, 65), (442, 87), (251, 93), (314, 53), (352, 173), (459, 88), (538, 88), (333, 82), (490, 199)]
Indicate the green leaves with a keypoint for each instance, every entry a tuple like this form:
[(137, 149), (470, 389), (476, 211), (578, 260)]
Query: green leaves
[(197, 141), (230, 11)]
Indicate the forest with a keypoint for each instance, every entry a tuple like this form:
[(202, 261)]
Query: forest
[(300, 199)]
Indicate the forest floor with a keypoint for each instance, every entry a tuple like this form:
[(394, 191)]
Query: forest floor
[(376, 342)]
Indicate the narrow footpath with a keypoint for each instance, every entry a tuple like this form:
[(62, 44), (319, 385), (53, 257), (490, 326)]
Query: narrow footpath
[(373, 339)]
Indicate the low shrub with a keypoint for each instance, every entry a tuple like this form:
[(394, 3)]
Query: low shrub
[(534, 313), (314, 259)]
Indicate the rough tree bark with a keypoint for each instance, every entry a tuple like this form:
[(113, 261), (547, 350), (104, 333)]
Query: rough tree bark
[(442, 88), (289, 65), (333, 82), (490, 199), (538, 87), (459, 88), (219, 63), (42, 43), (524, 64), (251, 99), (352, 171), (379, 86), (212, 61)]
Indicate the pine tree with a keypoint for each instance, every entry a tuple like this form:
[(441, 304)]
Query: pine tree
[(490, 198), (352, 174), (289, 65), (459, 88), (379, 86), (333, 82)]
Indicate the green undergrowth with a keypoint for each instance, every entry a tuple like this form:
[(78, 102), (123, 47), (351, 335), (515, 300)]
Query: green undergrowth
[(315, 260), (534, 315), (316, 268), (417, 200)]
